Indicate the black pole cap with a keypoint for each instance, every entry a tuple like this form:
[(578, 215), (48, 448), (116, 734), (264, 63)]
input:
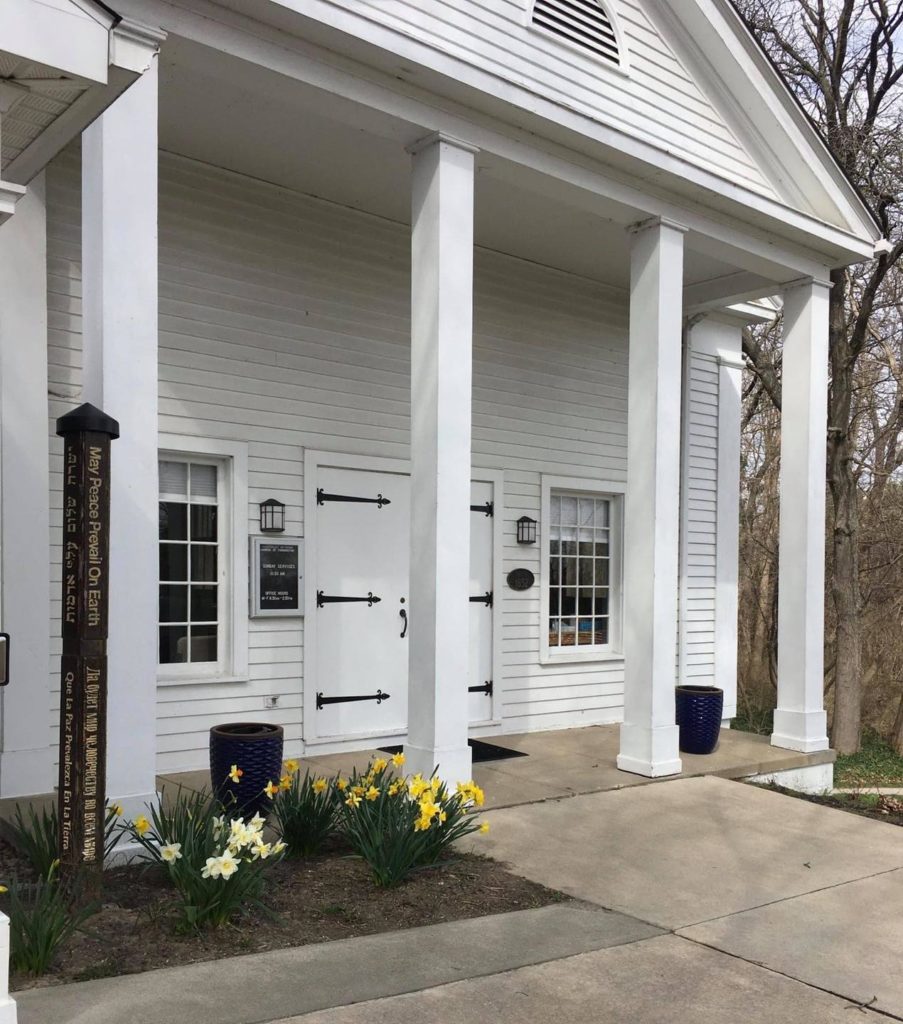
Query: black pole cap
[(87, 418)]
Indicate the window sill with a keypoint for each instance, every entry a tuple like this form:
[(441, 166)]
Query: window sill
[(580, 658), (199, 680)]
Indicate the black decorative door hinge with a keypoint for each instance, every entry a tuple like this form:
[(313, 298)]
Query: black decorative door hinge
[(323, 497), (488, 509), (379, 697), (370, 600), (483, 599), (485, 688)]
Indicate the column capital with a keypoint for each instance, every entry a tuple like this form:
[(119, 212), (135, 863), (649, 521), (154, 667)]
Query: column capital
[(436, 137), (656, 222), (806, 282), (134, 45)]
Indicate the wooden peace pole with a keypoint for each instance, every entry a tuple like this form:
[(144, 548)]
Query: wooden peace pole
[(87, 432)]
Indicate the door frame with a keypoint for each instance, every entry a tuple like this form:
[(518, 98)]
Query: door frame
[(314, 461)]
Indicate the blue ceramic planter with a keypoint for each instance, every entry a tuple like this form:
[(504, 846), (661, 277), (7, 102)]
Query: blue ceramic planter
[(699, 710), (256, 748)]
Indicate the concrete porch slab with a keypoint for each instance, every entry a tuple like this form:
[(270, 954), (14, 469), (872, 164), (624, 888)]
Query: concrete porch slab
[(690, 851), (844, 939), (660, 981)]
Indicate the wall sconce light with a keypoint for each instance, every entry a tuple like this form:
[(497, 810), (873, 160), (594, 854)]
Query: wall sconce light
[(526, 530), (272, 516)]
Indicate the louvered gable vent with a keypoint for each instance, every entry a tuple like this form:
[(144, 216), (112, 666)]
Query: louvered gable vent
[(582, 23)]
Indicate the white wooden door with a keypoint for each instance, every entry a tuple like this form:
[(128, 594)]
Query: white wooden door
[(482, 606), (362, 538), (359, 643)]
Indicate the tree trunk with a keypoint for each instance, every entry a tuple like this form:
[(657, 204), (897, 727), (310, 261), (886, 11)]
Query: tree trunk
[(846, 727), (896, 740)]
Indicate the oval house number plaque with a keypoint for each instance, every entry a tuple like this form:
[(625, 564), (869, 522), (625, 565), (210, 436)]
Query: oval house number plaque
[(521, 579)]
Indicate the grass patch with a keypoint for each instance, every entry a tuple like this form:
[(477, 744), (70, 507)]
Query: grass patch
[(753, 719), (876, 764)]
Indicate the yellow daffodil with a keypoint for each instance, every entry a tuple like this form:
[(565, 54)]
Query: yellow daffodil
[(319, 785), (398, 760), (434, 785), (341, 785), (478, 795), (291, 766), (235, 773), (484, 828), (358, 790), (443, 816), (3, 889), (285, 782), (278, 847), (417, 786), (353, 800), (396, 787), (171, 852), (271, 789), (380, 765), (421, 824), (428, 809), (372, 793), (141, 825), (117, 810)]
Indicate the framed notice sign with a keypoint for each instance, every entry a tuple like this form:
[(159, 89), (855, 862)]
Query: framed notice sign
[(276, 576)]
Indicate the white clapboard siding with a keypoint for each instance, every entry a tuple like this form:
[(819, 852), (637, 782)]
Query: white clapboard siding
[(284, 323), (658, 102), (698, 566)]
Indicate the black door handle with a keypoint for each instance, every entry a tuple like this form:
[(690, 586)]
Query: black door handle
[(404, 617)]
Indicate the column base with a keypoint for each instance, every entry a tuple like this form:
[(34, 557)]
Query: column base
[(8, 1011), (650, 752), (805, 731), (27, 772), (454, 765)]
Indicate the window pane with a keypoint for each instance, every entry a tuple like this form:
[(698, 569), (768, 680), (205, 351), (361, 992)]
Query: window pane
[(203, 643), (173, 644), (602, 513), (585, 601), (203, 563), (553, 602), (568, 633), (569, 547), (173, 520), (174, 478), (584, 631), (587, 511), (586, 572), (203, 604), (554, 510), (173, 562), (173, 604), (569, 571), (568, 601), (602, 545), (602, 602), (569, 511), (203, 522), (602, 570), (601, 631), (553, 545), (203, 482)]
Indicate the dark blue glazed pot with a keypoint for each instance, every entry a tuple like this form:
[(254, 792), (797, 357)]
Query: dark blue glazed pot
[(256, 748), (699, 710)]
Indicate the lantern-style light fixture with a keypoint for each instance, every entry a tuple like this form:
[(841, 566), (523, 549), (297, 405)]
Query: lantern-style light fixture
[(526, 530), (272, 516)]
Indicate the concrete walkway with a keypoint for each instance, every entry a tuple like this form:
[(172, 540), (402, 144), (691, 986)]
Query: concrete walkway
[(726, 903)]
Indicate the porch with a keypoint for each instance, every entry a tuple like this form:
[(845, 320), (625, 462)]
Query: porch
[(569, 762)]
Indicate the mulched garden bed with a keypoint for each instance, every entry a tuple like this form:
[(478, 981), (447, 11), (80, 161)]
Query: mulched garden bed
[(317, 900), (869, 805)]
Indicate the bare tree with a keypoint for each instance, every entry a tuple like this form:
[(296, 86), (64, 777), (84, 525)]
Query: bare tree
[(840, 58)]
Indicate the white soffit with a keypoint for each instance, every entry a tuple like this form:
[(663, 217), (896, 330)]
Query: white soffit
[(62, 62)]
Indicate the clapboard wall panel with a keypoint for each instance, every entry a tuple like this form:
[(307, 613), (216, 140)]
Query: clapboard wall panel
[(658, 101), (284, 323)]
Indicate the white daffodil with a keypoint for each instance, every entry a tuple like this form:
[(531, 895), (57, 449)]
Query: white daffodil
[(171, 852), (228, 865), (212, 869)]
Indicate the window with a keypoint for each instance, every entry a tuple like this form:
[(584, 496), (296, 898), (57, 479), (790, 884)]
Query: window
[(581, 599), (192, 577), (202, 633)]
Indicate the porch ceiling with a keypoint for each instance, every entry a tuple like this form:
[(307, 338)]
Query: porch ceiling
[(253, 121)]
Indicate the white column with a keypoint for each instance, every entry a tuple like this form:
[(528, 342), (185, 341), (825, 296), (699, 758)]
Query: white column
[(26, 764), (441, 357), (8, 1014), (119, 251), (800, 722), (649, 736)]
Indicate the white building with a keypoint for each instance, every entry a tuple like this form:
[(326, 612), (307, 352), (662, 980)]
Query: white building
[(302, 213)]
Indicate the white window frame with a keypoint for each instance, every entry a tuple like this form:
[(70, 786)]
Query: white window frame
[(232, 497), (613, 492)]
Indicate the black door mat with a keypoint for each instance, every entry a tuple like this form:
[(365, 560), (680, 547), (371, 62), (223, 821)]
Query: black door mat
[(480, 751)]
